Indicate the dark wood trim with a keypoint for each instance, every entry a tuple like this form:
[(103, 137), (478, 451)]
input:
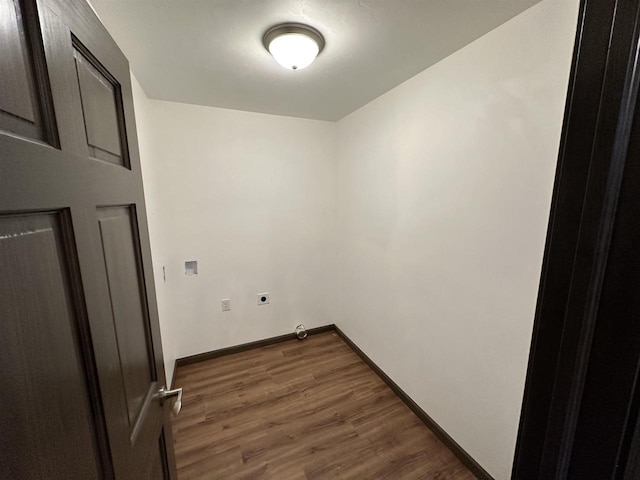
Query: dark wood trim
[(201, 357), (565, 426), (444, 437)]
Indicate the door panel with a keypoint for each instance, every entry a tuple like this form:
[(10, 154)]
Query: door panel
[(128, 307), (42, 388), (101, 109), (20, 102), (15, 97)]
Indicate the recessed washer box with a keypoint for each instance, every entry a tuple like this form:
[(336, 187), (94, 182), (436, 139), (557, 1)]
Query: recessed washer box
[(191, 268)]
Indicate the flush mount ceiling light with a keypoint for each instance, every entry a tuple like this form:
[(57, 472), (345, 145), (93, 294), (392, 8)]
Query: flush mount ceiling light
[(293, 45)]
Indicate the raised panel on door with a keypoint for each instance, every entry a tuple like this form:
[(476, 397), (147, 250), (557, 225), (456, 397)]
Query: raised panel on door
[(128, 308), (24, 93), (141, 411), (101, 101), (45, 419)]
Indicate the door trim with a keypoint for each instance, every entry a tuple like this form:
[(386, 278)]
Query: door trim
[(600, 110)]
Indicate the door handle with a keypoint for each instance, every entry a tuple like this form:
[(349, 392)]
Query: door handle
[(164, 395)]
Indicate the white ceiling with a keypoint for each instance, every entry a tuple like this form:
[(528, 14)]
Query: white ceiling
[(209, 52)]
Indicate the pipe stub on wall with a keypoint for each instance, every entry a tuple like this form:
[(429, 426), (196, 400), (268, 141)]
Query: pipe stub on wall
[(301, 332)]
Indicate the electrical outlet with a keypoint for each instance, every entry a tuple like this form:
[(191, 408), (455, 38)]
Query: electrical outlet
[(226, 304), (263, 298)]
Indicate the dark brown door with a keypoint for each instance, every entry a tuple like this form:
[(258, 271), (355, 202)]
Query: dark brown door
[(80, 352)]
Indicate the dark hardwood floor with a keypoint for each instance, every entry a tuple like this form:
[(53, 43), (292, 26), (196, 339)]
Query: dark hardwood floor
[(301, 410)]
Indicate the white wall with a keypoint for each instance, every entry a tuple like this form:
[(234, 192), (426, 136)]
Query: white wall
[(416, 224), (444, 191), (146, 140), (251, 197)]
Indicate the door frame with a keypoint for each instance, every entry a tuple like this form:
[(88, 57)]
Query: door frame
[(599, 115)]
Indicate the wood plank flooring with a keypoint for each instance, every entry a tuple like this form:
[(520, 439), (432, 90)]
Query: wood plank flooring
[(301, 410)]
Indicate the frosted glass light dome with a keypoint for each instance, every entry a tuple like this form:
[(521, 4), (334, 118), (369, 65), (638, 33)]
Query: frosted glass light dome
[(294, 51), (294, 46)]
